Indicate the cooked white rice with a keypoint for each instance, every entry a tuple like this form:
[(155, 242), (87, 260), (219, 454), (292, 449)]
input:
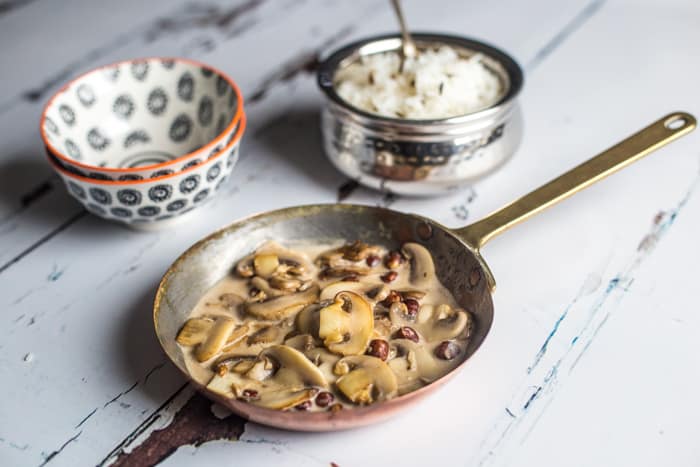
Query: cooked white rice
[(435, 84)]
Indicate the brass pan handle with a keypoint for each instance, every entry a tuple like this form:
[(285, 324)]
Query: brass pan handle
[(656, 135)]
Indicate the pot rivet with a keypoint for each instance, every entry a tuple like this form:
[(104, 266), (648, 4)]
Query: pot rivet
[(474, 277), (424, 230)]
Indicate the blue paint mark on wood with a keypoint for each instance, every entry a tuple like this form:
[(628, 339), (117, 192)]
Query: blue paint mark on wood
[(55, 274), (511, 428)]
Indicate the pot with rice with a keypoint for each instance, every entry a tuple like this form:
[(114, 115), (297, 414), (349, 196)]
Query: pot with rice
[(424, 125)]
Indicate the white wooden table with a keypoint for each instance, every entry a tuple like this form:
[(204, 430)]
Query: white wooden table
[(594, 357)]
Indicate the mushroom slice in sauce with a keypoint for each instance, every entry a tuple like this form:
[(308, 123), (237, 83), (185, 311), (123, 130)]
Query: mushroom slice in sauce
[(266, 265), (365, 379), (284, 399), (422, 266), (216, 339), (421, 356), (360, 288), (346, 325), (278, 369), (283, 306), (293, 368), (194, 331), (442, 322)]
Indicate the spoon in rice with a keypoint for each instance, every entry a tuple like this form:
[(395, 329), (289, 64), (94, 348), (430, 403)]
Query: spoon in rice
[(408, 47)]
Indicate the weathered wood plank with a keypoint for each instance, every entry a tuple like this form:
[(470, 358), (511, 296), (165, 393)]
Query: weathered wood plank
[(77, 307)]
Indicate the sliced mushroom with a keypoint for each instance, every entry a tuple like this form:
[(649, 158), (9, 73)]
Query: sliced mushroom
[(302, 342), (245, 267), (239, 364), (194, 331), (262, 369), (350, 252), (235, 337), (294, 370), (287, 257), (283, 306), (406, 371), (379, 293), (216, 339), (307, 320), (422, 359), (343, 271), (285, 284), (224, 384), (422, 267), (277, 370), (284, 399), (237, 351), (230, 300), (361, 288), (265, 335), (398, 313), (288, 269), (265, 264), (383, 328), (442, 322), (412, 293), (365, 379), (346, 325), (264, 286)]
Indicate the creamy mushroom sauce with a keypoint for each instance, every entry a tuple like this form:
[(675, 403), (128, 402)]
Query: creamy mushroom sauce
[(325, 327)]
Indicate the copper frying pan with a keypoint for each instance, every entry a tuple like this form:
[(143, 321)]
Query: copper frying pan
[(458, 261)]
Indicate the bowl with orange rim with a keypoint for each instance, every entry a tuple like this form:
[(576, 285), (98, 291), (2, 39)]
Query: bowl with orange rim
[(141, 119), (158, 202)]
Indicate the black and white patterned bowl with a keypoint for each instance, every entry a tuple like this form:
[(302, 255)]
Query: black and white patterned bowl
[(141, 119), (154, 203)]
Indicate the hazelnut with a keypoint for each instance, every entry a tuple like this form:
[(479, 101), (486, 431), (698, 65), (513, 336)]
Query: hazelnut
[(221, 369), (474, 277), (378, 348), (393, 297), (390, 276), (306, 405), (250, 394), (337, 407), (372, 260), (447, 350), (412, 306), (393, 259), (324, 399), (406, 332)]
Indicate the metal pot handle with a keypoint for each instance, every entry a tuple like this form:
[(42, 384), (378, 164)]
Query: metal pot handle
[(654, 136)]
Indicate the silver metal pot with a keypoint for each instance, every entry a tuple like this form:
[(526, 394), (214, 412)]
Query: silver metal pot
[(420, 157)]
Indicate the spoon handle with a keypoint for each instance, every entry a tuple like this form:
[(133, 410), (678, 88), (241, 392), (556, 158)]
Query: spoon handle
[(408, 48), (656, 135)]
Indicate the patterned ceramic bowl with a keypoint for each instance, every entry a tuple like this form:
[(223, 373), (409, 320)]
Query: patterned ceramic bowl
[(158, 202), (141, 119)]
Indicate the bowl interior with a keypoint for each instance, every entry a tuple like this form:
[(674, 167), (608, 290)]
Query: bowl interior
[(140, 113)]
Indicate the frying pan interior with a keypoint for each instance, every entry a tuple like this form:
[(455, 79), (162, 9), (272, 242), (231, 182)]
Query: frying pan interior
[(456, 265)]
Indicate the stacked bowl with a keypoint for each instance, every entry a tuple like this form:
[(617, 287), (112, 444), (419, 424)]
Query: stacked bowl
[(145, 141)]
